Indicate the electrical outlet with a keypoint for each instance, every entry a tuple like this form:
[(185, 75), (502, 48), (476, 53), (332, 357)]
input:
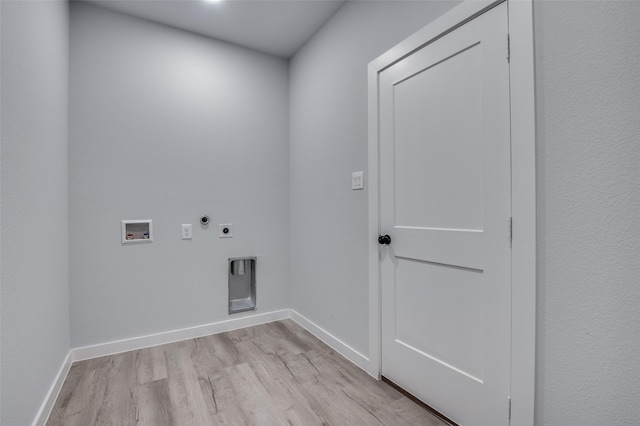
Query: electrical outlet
[(225, 230), (186, 231), (357, 180)]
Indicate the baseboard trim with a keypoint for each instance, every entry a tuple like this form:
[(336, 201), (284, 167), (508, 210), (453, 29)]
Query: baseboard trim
[(135, 343), (47, 405), (336, 344)]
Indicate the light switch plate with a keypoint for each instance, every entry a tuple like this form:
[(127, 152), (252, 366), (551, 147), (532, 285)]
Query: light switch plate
[(187, 231), (357, 180), (225, 230)]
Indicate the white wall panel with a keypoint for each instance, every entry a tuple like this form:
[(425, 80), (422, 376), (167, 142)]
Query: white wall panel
[(168, 125), (328, 137), (34, 290), (588, 154)]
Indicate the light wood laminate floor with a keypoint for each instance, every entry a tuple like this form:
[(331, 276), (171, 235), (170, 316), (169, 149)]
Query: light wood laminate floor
[(271, 374)]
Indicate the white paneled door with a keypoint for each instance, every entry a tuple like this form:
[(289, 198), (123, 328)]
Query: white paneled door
[(445, 199)]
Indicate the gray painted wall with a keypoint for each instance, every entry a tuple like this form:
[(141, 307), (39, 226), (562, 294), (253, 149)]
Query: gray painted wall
[(588, 153), (146, 145), (34, 290), (328, 141), (168, 125)]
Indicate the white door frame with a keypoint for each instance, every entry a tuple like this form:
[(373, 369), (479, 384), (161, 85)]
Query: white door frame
[(523, 258)]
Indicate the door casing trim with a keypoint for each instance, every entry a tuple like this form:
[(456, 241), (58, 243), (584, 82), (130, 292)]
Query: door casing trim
[(523, 175)]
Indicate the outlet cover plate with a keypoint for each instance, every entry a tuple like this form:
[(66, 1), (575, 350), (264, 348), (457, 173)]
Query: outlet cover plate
[(225, 230), (357, 180), (187, 231)]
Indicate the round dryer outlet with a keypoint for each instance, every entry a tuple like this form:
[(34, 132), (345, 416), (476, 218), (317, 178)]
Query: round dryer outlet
[(225, 230)]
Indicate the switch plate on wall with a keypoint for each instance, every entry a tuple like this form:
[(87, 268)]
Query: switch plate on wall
[(186, 231), (357, 180)]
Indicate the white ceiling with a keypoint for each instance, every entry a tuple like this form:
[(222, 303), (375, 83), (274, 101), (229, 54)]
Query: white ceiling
[(277, 27)]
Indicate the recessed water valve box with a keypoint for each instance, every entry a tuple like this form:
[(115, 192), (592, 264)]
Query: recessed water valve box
[(137, 231)]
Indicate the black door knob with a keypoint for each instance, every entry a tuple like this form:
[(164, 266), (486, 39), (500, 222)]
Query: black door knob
[(384, 239)]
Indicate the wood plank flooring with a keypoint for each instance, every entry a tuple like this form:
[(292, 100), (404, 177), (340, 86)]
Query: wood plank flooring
[(271, 374)]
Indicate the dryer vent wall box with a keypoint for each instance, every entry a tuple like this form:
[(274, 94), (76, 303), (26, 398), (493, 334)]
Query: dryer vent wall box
[(137, 231), (242, 284)]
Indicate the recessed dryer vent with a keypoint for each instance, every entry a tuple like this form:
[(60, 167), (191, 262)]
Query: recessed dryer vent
[(242, 284)]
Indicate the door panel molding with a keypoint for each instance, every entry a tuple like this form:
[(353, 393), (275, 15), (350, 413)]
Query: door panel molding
[(523, 190)]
